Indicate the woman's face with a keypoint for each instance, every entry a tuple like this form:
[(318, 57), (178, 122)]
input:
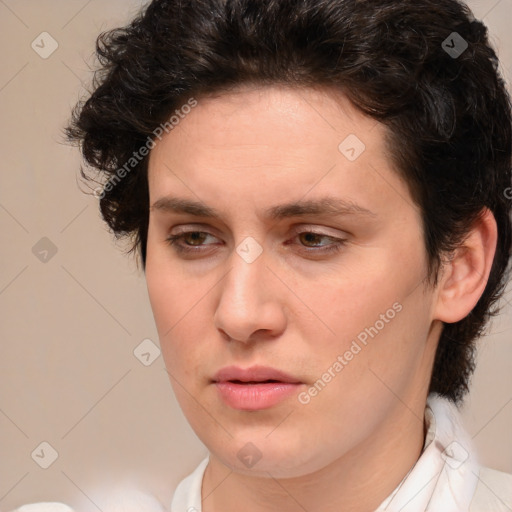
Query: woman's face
[(329, 291)]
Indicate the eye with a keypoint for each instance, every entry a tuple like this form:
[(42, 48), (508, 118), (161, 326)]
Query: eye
[(190, 242), (312, 237), (197, 237)]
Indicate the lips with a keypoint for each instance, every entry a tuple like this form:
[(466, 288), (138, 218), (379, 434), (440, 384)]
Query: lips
[(253, 375), (254, 388)]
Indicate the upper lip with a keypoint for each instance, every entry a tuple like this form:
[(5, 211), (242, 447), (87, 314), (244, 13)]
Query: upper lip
[(252, 374)]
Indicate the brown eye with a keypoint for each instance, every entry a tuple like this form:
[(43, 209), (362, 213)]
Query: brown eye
[(310, 242), (309, 237), (196, 239)]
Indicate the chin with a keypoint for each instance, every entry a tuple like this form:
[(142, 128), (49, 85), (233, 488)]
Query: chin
[(265, 457)]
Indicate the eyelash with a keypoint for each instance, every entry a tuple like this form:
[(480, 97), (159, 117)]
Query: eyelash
[(173, 241)]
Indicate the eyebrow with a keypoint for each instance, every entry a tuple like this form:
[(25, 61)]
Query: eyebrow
[(325, 205)]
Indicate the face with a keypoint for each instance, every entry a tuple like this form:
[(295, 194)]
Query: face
[(305, 255)]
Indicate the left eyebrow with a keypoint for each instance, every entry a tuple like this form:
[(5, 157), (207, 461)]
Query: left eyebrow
[(323, 206)]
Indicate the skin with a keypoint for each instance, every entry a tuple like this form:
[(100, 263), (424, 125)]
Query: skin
[(295, 309)]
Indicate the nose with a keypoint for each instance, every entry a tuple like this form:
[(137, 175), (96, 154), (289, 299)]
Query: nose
[(250, 305)]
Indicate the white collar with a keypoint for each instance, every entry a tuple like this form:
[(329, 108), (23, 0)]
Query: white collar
[(444, 478)]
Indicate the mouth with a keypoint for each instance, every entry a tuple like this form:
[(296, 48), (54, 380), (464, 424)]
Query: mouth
[(236, 381), (254, 388), (253, 375)]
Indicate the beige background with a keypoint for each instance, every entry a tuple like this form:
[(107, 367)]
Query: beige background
[(69, 326)]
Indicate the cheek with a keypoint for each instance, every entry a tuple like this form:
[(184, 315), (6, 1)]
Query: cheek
[(168, 299), (178, 304), (170, 294), (162, 295), (376, 320), (350, 302)]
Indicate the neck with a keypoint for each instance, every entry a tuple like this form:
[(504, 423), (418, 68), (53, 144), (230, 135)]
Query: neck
[(358, 481)]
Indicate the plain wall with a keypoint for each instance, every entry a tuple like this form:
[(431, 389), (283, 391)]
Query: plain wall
[(69, 325)]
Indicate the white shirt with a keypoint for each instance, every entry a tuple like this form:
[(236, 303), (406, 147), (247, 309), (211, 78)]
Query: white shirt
[(446, 478)]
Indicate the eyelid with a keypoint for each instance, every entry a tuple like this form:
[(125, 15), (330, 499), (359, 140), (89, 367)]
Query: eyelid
[(296, 230), (318, 230), (203, 228)]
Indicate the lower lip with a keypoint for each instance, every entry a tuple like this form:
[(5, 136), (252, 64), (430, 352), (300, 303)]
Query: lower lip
[(253, 397)]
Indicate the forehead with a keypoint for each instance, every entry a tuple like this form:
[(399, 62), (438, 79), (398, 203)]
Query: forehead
[(275, 116), (273, 143)]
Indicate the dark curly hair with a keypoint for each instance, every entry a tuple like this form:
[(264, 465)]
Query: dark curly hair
[(423, 68)]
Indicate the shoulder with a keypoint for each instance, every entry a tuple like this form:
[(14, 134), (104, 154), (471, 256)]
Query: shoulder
[(44, 507), (493, 492), (125, 500)]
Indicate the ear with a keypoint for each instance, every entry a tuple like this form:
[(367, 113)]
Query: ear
[(464, 276)]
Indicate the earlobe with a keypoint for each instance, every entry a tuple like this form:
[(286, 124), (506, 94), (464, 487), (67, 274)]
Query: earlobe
[(466, 272)]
